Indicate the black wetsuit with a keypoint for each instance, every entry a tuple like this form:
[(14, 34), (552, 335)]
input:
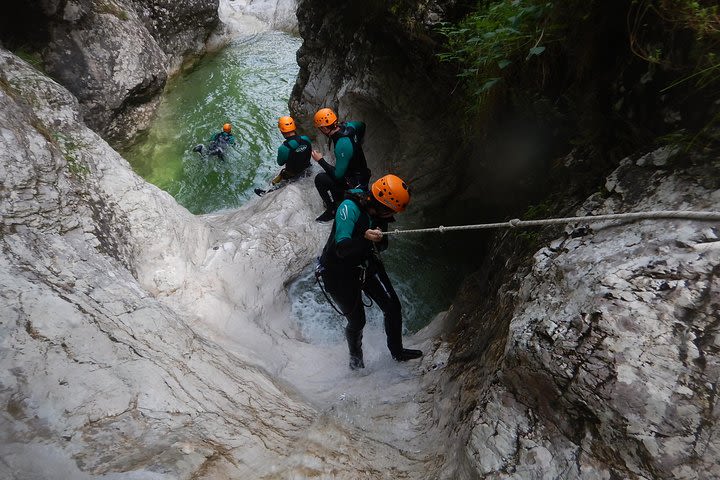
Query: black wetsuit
[(350, 169), (350, 265)]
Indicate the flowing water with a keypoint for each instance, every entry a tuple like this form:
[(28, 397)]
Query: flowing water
[(248, 84)]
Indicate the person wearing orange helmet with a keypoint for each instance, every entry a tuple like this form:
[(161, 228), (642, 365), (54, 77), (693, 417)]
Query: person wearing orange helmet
[(350, 169), (293, 154), (218, 143), (350, 264)]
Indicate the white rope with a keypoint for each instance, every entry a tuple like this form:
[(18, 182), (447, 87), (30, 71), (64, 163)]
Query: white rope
[(516, 222)]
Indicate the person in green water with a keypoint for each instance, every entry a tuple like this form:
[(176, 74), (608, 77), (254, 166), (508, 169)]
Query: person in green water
[(218, 143), (350, 169), (293, 154), (350, 264)]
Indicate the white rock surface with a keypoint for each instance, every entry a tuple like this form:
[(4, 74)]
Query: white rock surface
[(252, 16), (140, 341), (611, 363)]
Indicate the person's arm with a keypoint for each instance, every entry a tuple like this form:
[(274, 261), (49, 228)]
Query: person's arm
[(283, 155), (317, 156), (231, 139), (343, 154), (345, 218)]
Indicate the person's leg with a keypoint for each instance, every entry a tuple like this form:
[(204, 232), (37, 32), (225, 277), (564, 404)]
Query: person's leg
[(345, 292), (380, 290), (325, 185)]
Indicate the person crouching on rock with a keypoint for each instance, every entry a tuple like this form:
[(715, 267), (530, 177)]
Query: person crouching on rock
[(293, 154), (350, 170), (350, 264)]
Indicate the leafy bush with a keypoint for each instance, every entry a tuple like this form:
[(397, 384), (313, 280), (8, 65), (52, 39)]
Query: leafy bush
[(498, 35)]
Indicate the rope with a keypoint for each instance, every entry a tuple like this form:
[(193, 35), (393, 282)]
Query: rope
[(517, 223)]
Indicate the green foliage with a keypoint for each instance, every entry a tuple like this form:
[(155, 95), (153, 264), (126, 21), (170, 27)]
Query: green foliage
[(491, 41), (699, 19)]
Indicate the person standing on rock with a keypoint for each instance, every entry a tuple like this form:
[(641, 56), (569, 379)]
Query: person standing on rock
[(350, 264), (218, 143), (350, 169), (293, 154)]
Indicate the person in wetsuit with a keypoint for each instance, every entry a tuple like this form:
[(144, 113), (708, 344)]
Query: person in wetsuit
[(293, 154), (218, 142), (350, 169), (350, 264)]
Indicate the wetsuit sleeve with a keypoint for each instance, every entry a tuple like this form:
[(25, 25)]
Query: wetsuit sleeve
[(283, 154), (346, 217), (327, 167), (231, 139), (343, 154), (214, 137)]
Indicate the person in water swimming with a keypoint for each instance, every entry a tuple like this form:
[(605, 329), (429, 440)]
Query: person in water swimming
[(218, 143)]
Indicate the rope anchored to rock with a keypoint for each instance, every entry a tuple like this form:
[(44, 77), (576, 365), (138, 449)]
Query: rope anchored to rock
[(517, 223)]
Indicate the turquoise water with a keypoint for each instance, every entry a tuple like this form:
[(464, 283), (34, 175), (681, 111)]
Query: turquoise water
[(247, 84)]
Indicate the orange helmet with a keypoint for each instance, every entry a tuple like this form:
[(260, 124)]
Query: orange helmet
[(227, 128), (325, 117), (392, 192), (286, 124)]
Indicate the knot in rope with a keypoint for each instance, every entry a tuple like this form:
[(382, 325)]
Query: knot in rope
[(514, 222)]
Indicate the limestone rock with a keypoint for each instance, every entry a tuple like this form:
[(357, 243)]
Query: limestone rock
[(115, 55), (610, 363), (111, 297)]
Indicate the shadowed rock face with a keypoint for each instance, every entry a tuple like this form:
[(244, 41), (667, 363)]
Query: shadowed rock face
[(598, 357), (113, 55), (357, 59)]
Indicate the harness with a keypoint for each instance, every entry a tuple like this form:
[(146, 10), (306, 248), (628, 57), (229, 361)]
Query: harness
[(319, 270)]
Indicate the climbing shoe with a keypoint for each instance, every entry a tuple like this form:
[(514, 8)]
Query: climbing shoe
[(326, 216), (198, 148), (260, 192), (406, 354), (356, 363)]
